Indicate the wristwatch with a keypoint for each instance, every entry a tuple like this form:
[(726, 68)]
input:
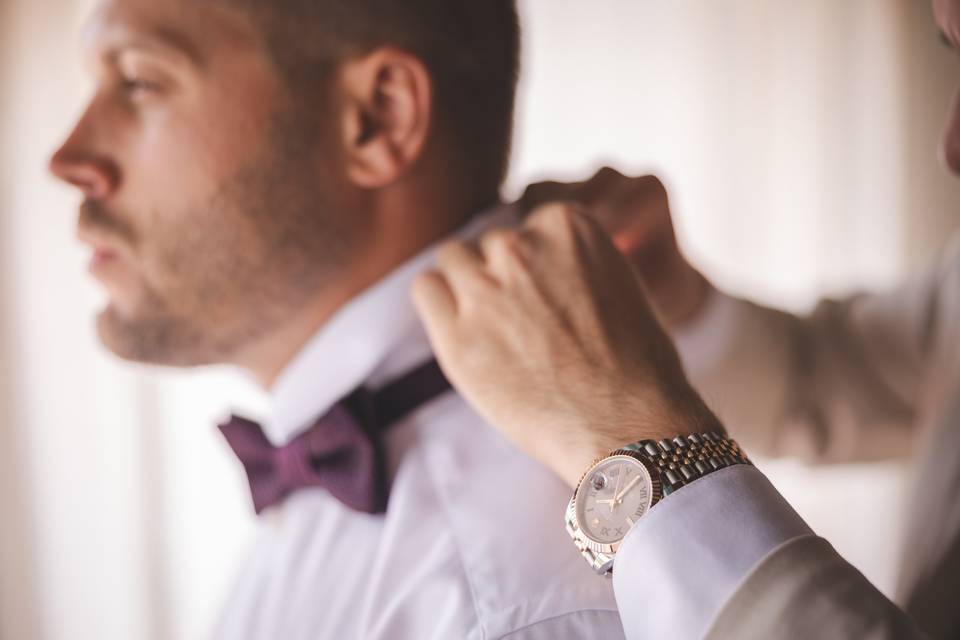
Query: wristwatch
[(622, 487)]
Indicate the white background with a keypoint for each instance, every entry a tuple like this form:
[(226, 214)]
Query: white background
[(798, 141)]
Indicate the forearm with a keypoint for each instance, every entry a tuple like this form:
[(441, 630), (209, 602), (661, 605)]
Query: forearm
[(827, 387)]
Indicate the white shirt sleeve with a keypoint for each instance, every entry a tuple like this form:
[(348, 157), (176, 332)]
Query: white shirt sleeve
[(682, 561)]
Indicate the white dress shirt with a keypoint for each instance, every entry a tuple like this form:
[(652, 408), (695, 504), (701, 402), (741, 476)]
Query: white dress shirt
[(472, 543)]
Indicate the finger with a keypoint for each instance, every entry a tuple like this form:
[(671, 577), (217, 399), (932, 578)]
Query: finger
[(584, 192), (460, 262), (565, 240), (556, 248), (604, 181), (499, 248), (619, 202), (466, 272), (639, 198), (557, 225), (459, 255), (643, 240), (543, 192), (639, 218), (436, 303), (549, 241)]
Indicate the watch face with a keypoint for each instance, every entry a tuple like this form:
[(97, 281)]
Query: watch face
[(614, 495)]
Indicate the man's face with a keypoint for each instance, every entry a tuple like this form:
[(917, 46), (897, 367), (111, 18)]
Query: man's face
[(207, 203), (947, 13)]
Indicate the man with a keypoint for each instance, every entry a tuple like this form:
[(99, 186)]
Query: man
[(261, 182), (554, 306)]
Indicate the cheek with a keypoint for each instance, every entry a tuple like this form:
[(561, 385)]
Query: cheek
[(173, 181), (951, 138), (175, 161)]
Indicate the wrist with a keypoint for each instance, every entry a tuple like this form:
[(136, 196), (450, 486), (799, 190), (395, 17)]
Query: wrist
[(698, 290), (584, 456), (657, 421), (619, 490)]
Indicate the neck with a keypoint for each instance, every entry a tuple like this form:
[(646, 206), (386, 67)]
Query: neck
[(391, 241)]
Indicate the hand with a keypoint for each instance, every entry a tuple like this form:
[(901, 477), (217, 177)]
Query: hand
[(636, 214), (546, 331)]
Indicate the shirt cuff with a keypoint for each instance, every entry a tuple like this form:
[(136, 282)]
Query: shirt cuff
[(682, 561)]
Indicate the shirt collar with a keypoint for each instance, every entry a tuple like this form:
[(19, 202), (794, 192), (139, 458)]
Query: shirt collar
[(374, 338)]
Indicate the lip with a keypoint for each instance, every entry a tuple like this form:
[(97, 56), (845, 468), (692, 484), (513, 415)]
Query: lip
[(102, 256)]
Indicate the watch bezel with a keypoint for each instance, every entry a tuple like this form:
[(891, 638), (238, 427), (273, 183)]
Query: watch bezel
[(653, 493)]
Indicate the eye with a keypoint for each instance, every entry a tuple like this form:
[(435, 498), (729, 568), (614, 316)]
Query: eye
[(135, 85)]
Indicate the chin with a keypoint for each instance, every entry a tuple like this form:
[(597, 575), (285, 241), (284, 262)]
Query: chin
[(155, 341), (115, 334)]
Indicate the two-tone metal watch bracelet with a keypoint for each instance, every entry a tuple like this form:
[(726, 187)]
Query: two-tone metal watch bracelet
[(687, 458), (671, 464)]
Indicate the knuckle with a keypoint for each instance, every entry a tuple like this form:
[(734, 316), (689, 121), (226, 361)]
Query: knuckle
[(502, 243), (445, 255), (607, 173), (605, 180), (556, 215), (651, 183), (425, 282), (497, 237), (541, 192), (560, 223), (541, 189), (451, 253)]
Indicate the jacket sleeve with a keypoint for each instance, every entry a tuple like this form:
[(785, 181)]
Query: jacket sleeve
[(804, 589), (727, 557), (842, 384), (684, 559)]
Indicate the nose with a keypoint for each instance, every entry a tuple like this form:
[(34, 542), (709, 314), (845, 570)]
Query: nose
[(77, 163)]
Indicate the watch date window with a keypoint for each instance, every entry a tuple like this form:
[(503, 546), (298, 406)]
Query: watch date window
[(613, 498)]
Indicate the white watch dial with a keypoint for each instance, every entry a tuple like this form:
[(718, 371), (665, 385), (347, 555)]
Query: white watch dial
[(612, 497)]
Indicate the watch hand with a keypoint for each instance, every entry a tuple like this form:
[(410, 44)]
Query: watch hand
[(619, 479), (629, 486), (613, 502)]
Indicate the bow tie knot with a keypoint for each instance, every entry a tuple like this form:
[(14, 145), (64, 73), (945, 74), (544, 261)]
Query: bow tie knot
[(342, 452)]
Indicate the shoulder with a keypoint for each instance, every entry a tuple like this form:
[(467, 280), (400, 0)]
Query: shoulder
[(504, 513)]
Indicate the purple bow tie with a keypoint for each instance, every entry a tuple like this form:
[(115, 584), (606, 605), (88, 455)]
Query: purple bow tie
[(342, 452)]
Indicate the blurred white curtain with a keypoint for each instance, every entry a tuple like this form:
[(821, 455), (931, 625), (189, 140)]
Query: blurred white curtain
[(798, 141)]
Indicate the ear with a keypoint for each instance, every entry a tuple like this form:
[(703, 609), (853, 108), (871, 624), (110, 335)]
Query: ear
[(386, 115)]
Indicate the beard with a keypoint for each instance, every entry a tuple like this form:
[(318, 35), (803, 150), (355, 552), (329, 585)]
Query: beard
[(218, 278)]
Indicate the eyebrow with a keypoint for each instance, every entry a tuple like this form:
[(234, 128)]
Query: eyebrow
[(159, 40)]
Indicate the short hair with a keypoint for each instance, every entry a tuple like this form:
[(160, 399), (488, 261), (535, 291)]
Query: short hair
[(471, 48)]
